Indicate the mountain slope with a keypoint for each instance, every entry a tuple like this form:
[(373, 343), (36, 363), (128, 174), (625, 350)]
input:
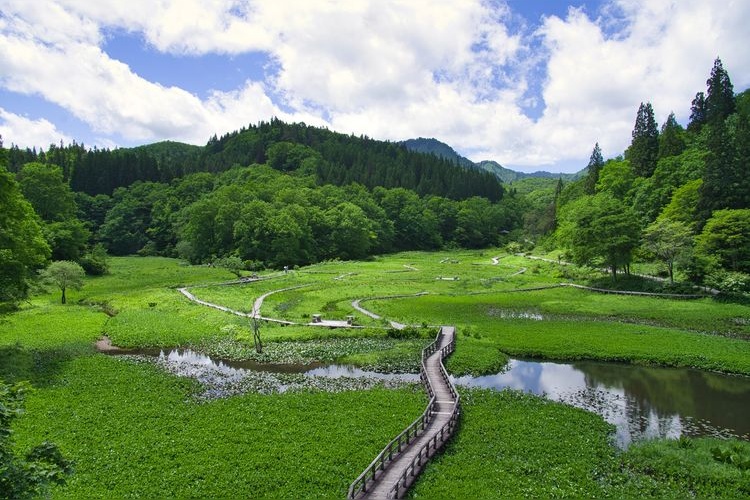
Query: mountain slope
[(442, 150)]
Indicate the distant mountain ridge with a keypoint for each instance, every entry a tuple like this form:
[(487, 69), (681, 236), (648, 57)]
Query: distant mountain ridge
[(433, 146)]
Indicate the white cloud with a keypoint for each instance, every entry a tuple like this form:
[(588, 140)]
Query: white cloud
[(664, 55), (20, 130), (390, 69)]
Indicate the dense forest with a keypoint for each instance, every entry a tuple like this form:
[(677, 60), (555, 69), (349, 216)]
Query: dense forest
[(278, 194), (678, 196)]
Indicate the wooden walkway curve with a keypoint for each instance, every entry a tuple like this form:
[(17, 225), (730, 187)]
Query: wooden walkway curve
[(398, 465), (356, 304)]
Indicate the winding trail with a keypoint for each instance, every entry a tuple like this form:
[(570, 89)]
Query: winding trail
[(398, 465), (256, 305)]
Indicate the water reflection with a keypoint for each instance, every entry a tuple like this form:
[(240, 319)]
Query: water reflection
[(345, 371), (642, 402), (222, 378)]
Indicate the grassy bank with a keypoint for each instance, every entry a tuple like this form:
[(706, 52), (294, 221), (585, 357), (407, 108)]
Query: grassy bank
[(513, 445), (563, 324)]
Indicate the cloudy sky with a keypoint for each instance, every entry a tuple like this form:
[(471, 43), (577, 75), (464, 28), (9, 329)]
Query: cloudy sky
[(530, 84)]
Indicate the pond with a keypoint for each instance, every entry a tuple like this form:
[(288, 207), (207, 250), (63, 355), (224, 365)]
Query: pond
[(642, 402)]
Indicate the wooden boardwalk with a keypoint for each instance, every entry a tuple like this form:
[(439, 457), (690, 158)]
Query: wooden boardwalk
[(400, 462)]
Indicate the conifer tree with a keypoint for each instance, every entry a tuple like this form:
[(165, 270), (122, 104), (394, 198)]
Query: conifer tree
[(596, 162), (720, 99), (644, 149), (697, 113), (718, 179), (726, 181), (671, 142)]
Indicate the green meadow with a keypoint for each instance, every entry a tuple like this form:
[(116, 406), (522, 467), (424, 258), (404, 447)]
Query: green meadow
[(134, 429)]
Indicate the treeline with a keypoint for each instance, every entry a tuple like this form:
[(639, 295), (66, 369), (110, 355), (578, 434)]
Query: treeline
[(101, 171), (331, 157), (679, 196), (270, 219)]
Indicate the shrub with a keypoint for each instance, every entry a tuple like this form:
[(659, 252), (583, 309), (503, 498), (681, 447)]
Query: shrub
[(28, 476), (732, 282), (409, 332), (95, 262)]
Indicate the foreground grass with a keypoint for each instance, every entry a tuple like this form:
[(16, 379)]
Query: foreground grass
[(513, 445), (134, 431)]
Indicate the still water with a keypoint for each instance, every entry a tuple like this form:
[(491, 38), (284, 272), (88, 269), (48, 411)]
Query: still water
[(642, 402)]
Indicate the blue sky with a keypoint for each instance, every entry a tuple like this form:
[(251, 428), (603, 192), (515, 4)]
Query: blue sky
[(530, 84)]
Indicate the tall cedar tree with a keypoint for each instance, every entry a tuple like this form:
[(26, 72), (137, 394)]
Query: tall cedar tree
[(722, 181), (726, 179), (697, 113), (644, 150), (720, 99), (596, 162), (671, 141)]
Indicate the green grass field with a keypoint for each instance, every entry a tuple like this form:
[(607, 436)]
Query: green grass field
[(135, 430)]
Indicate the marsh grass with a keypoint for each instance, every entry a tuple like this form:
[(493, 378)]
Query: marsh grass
[(134, 430), (583, 325)]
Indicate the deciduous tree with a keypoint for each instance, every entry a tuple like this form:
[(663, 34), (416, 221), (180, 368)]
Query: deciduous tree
[(22, 244), (599, 229), (49, 194), (669, 241), (726, 236), (64, 274)]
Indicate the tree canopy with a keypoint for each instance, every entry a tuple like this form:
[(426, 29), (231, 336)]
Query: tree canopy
[(599, 229), (22, 244)]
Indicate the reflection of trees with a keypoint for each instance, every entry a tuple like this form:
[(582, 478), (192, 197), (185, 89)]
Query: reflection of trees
[(653, 389), (735, 384), (722, 400)]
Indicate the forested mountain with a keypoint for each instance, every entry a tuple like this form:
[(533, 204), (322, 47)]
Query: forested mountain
[(332, 157), (273, 194), (442, 150), (437, 148)]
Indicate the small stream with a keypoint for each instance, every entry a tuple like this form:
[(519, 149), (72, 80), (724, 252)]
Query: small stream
[(642, 402)]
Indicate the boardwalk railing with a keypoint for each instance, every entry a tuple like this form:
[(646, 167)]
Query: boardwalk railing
[(361, 484), (437, 440)]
